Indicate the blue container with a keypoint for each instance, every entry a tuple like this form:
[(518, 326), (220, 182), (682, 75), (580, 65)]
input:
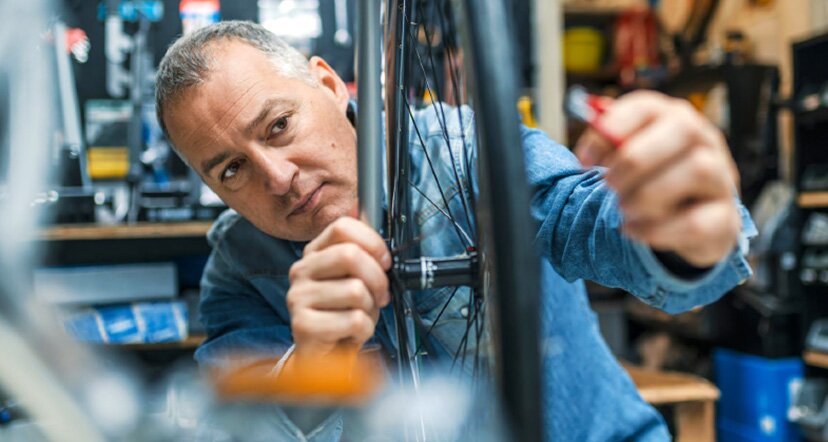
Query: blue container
[(756, 394)]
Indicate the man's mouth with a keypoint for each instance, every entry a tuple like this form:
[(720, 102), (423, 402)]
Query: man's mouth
[(307, 203)]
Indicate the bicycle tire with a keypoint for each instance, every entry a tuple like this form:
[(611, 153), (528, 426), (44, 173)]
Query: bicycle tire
[(506, 246)]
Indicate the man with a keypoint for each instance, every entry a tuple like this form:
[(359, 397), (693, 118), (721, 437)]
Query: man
[(293, 272)]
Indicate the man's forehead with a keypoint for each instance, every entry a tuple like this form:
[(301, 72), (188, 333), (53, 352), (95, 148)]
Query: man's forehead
[(242, 80), (237, 57), (203, 108)]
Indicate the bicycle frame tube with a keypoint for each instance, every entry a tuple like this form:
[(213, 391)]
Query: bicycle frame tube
[(369, 124)]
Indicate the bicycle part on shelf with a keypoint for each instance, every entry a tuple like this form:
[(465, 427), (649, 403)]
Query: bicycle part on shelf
[(817, 339), (342, 36)]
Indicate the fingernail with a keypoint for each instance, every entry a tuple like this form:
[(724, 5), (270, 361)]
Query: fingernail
[(386, 260)]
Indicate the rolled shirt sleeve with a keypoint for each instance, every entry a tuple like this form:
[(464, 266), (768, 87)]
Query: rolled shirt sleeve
[(579, 231)]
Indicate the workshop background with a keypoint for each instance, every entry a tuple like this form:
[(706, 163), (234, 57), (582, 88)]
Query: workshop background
[(122, 239)]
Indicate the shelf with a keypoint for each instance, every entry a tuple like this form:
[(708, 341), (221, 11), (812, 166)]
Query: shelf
[(816, 359), (604, 76), (591, 10), (87, 232), (691, 397), (819, 115), (666, 387), (812, 199), (191, 342)]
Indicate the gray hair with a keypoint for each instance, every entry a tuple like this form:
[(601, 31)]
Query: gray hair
[(188, 61)]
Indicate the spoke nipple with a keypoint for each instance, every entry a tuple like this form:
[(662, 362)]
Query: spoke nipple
[(402, 219)]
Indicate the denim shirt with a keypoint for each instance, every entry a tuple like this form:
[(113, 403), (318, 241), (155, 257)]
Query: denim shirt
[(586, 394)]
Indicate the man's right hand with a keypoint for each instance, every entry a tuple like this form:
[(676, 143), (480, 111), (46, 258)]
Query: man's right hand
[(337, 288)]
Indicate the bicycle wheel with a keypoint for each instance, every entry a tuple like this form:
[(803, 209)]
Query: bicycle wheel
[(458, 208)]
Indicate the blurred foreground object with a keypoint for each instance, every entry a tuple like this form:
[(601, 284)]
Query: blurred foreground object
[(341, 377)]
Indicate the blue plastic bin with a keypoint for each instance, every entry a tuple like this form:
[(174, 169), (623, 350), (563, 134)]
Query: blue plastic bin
[(756, 394)]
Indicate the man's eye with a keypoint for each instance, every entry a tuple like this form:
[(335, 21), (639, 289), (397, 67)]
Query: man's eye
[(279, 126), (231, 171)]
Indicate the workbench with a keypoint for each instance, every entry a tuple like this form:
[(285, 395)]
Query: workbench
[(692, 396)]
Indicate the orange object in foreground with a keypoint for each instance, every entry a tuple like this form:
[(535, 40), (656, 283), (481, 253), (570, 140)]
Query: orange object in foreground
[(342, 377)]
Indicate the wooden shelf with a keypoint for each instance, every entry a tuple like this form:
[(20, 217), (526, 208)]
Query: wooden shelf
[(812, 199), (812, 117), (816, 359), (663, 387), (691, 397), (191, 342), (88, 232), (606, 75), (585, 9)]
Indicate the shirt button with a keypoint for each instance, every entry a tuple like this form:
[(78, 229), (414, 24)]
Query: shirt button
[(464, 312)]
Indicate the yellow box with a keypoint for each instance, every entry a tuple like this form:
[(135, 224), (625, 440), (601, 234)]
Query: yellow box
[(106, 163), (583, 49)]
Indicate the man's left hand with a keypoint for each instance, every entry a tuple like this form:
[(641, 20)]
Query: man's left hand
[(674, 176)]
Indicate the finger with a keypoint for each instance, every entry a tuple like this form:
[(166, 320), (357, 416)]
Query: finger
[(351, 230), (592, 149), (624, 117), (651, 150), (346, 260), (715, 137), (633, 111), (331, 327), (605, 102), (695, 177), (347, 294), (702, 233)]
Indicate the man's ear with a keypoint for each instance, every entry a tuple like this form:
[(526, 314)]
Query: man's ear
[(329, 80)]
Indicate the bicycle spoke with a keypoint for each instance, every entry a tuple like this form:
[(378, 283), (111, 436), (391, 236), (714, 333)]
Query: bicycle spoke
[(472, 316), (431, 82), (439, 315), (454, 75), (437, 104), (461, 348), (458, 226), (433, 171), (421, 332), (481, 324), (392, 209)]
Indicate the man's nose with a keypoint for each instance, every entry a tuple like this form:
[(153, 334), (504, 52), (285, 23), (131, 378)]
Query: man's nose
[(277, 173)]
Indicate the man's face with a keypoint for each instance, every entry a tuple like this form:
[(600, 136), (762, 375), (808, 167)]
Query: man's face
[(276, 149)]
